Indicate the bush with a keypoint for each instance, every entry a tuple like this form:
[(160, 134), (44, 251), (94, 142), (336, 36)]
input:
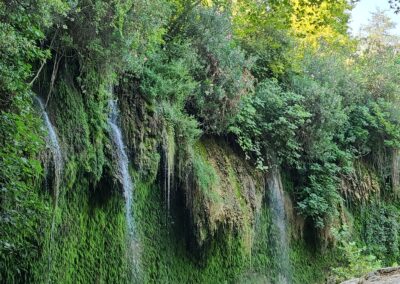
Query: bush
[(223, 74), (24, 207), (380, 231), (268, 124), (355, 261), (319, 197)]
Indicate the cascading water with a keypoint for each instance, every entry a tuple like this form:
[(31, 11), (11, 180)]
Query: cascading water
[(123, 164), (277, 203), (54, 148), (127, 186), (57, 160), (168, 166)]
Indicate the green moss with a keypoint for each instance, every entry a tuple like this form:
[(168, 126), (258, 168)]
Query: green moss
[(166, 258), (89, 237), (233, 180), (81, 122), (310, 266), (205, 175), (287, 182), (308, 263), (262, 261), (377, 228), (88, 242)]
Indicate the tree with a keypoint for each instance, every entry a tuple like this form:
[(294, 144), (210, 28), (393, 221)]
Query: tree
[(313, 21), (222, 73), (377, 35)]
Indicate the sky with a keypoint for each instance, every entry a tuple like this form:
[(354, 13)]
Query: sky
[(362, 12)]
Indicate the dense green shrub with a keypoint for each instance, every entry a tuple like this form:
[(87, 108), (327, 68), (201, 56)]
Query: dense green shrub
[(222, 73), (23, 24), (355, 260), (268, 124), (167, 75), (24, 206), (380, 231)]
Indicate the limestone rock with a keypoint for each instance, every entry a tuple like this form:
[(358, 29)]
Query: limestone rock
[(389, 275)]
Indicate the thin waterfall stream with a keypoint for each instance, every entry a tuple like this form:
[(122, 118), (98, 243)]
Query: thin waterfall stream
[(55, 149), (168, 167), (281, 240), (57, 160), (123, 164), (133, 252)]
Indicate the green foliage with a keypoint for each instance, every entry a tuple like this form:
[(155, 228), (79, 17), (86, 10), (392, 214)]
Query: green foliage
[(204, 172), (112, 35), (323, 157), (90, 229), (269, 123), (263, 252), (24, 208), (309, 265), (262, 30), (167, 76), (319, 198), (82, 125), (358, 264), (223, 69), (323, 129), (380, 231), (355, 261), (271, 53), (22, 26)]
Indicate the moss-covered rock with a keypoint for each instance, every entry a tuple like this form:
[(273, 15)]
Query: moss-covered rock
[(225, 192)]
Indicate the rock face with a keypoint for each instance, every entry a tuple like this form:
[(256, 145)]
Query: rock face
[(390, 275)]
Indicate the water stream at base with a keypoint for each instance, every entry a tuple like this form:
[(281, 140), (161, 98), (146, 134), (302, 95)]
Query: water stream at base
[(57, 159), (277, 203)]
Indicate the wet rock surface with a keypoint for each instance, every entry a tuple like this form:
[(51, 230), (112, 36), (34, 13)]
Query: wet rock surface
[(389, 275)]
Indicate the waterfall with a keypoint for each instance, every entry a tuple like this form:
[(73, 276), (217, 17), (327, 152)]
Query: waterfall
[(395, 172), (123, 164), (57, 159), (54, 148), (281, 241), (133, 251), (168, 165)]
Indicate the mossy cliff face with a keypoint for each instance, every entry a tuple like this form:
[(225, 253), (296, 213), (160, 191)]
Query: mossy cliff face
[(88, 240), (195, 204), (206, 233), (142, 126), (225, 194), (199, 206), (362, 185), (202, 226), (221, 194)]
